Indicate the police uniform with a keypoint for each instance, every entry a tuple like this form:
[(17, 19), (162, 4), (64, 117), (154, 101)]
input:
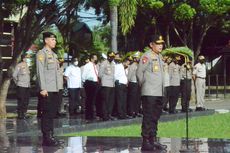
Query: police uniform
[(133, 102), (186, 86), (21, 77), (174, 91), (167, 86), (106, 74), (151, 79), (200, 74), (47, 75)]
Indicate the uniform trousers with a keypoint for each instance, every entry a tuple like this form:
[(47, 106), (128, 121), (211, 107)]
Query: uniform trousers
[(133, 98), (107, 99), (174, 92), (120, 99), (60, 101), (91, 89), (186, 89), (50, 107), (200, 92), (74, 100), (23, 94), (152, 109), (166, 97)]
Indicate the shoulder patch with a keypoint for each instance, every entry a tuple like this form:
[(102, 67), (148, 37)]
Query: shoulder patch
[(40, 57), (144, 59)]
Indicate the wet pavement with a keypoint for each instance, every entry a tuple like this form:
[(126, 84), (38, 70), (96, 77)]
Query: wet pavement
[(110, 145)]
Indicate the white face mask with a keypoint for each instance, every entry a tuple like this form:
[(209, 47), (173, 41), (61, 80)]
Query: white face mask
[(75, 63)]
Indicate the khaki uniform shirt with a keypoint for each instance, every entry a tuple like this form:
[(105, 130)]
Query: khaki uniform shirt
[(21, 75), (132, 69), (183, 72), (174, 74), (150, 74), (106, 73), (47, 70)]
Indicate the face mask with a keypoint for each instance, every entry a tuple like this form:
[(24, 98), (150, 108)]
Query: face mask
[(75, 63)]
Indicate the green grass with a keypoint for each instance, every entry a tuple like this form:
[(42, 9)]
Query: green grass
[(214, 126)]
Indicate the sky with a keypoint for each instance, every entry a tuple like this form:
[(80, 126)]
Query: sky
[(91, 14)]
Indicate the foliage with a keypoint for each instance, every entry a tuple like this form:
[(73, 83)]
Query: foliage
[(114, 2), (185, 51), (127, 14), (151, 4), (184, 12), (199, 128), (101, 39), (215, 7)]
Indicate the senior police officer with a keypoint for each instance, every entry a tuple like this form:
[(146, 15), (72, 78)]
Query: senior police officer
[(47, 74), (199, 75), (151, 79), (21, 77)]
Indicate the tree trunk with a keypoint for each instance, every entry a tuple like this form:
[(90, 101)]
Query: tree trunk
[(114, 25), (167, 36), (3, 94), (199, 45)]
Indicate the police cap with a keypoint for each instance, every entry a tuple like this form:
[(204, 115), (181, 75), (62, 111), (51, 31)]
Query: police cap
[(157, 39)]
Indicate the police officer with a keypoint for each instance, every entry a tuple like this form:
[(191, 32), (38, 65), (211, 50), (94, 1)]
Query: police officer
[(199, 75), (21, 77), (150, 77), (106, 74), (167, 60), (133, 101), (174, 91), (47, 75), (186, 85)]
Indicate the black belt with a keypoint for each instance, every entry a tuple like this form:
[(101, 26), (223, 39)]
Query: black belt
[(200, 77)]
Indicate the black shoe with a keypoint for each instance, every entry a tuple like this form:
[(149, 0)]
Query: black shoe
[(157, 145), (173, 112), (112, 118), (139, 115), (50, 142), (200, 109), (147, 146)]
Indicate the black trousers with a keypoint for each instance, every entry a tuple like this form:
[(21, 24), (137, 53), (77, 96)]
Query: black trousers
[(186, 89), (23, 95), (91, 89), (166, 97), (174, 92), (74, 99), (50, 106), (60, 100), (107, 100), (83, 98), (120, 99), (99, 104), (152, 109), (133, 98), (39, 105)]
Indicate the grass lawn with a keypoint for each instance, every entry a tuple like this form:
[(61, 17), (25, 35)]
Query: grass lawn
[(214, 126)]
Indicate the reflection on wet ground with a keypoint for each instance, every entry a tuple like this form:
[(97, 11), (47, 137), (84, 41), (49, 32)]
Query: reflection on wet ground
[(30, 144)]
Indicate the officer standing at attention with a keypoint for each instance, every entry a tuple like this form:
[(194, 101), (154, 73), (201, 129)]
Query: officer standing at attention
[(106, 74), (186, 85), (150, 76), (174, 91), (21, 77), (199, 75), (47, 74)]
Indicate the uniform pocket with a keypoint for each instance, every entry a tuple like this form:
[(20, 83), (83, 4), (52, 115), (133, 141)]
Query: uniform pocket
[(51, 66)]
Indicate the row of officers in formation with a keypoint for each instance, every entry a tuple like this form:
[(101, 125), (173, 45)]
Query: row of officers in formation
[(113, 89)]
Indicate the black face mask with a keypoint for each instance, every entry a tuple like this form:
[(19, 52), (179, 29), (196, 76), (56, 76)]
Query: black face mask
[(110, 59), (96, 61), (202, 61)]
